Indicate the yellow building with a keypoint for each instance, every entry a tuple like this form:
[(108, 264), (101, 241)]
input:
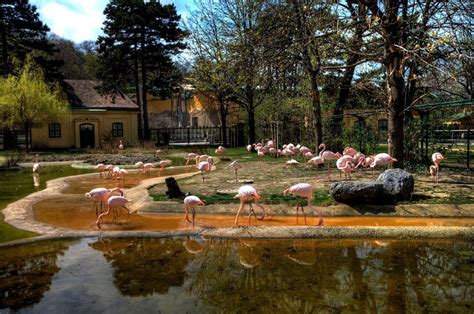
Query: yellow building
[(94, 119), (187, 107)]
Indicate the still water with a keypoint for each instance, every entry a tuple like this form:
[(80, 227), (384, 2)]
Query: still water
[(187, 275)]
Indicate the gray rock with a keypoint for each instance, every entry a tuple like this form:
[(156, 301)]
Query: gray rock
[(397, 183), (358, 192)]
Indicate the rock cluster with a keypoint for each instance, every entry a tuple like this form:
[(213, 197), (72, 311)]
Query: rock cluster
[(391, 186)]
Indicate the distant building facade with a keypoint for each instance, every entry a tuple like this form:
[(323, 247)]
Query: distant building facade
[(94, 119)]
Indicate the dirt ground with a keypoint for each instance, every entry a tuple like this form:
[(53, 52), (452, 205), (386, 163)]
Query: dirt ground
[(272, 177)]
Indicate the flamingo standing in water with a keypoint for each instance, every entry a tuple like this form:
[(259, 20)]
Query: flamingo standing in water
[(145, 167), (303, 190), (434, 169), (163, 163), (191, 156), (328, 155), (113, 203), (101, 169), (36, 165), (100, 195), (189, 203), (248, 194), (236, 166)]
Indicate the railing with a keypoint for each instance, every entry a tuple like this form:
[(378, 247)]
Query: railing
[(195, 136)]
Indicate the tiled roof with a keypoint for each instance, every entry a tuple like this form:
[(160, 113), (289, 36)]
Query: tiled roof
[(83, 95)]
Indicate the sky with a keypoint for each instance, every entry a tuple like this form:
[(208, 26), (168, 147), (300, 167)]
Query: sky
[(80, 20)]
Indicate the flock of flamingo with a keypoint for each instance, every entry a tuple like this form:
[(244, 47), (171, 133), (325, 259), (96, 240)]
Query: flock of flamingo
[(347, 162)]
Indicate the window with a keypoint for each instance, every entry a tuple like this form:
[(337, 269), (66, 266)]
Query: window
[(54, 130), (117, 129), (383, 125)]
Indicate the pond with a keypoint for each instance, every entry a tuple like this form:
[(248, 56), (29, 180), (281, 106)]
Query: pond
[(15, 184), (187, 275)]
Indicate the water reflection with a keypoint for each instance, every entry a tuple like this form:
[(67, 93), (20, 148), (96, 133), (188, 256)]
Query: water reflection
[(36, 181), (26, 272), (199, 275)]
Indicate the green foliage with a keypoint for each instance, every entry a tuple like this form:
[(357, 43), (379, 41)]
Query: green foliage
[(23, 33), (27, 101), (362, 137)]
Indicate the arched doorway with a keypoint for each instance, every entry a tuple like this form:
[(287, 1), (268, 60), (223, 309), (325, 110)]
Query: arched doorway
[(87, 136)]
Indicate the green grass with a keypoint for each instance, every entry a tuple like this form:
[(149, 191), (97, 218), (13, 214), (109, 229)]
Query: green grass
[(454, 198), (320, 198)]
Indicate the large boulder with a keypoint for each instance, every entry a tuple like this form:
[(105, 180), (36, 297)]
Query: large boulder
[(358, 192), (397, 183), (391, 186)]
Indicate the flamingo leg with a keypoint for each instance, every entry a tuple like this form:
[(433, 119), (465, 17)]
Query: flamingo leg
[(251, 211), (321, 221), (202, 173), (304, 214), (264, 211), (194, 214), (236, 178), (238, 213), (186, 214)]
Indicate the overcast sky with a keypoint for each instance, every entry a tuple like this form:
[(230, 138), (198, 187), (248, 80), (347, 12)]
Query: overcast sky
[(80, 20)]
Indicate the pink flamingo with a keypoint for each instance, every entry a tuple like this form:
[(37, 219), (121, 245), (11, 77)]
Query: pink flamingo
[(189, 203), (204, 166), (382, 159), (36, 165), (317, 160), (145, 167), (191, 156), (116, 172), (434, 169), (303, 190), (328, 155), (349, 151), (163, 163), (249, 148), (101, 169), (247, 194), (220, 151), (120, 145), (100, 195), (113, 203), (292, 162), (109, 169), (346, 165), (236, 166)]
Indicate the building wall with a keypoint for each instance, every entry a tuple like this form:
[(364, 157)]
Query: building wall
[(102, 122), (164, 113)]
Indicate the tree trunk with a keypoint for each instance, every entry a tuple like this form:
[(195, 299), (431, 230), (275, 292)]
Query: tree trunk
[(138, 92), (146, 129), (26, 128), (316, 101), (223, 117), (396, 105)]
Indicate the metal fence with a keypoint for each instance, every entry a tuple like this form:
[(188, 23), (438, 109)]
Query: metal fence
[(197, 136), (454, 144)]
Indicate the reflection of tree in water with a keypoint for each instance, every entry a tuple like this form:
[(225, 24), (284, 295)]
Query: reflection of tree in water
[(145, 266), (333, 275), (26, 272)]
